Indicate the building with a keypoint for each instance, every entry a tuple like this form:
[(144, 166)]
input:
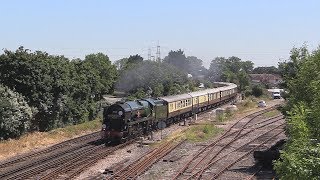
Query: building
[(270, 79)]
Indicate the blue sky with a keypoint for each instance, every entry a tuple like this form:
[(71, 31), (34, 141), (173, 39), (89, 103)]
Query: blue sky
[(262, 31)]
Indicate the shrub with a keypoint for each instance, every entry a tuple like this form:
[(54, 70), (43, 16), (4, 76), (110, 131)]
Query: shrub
[(257, 90), (15, 114)]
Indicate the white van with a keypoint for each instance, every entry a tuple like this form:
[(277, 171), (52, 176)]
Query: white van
[(276, 94)]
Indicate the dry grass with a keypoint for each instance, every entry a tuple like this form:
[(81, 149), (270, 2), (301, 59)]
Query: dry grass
[(251, 104), (38, 140)]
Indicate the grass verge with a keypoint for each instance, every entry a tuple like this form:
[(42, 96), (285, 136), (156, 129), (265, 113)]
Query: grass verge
[(271, 113), (38, 140), (201, 132)]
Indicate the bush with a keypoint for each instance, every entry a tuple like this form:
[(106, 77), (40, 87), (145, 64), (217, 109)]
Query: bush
[(300, 158), (257, 91), (15, 114)]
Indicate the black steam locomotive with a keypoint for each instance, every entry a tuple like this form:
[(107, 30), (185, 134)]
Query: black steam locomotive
[(124, 120)]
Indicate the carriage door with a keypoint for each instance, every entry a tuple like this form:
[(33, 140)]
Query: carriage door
[(195, 104)]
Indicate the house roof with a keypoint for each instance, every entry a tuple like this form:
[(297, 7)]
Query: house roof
[(265, 77)]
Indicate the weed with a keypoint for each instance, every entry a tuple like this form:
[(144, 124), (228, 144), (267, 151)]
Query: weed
[(271, 113), (220, 117), (201, 132)]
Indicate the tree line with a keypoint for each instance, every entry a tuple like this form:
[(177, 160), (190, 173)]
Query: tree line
[(40, 92), (141, 78)]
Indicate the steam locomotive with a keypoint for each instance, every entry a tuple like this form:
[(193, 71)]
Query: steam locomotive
[(125, 120)]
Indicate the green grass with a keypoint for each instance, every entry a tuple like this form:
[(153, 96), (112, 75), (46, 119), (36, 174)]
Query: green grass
[(201, 132), (73, 130), (271, 114), (248, 103), (227, 115)]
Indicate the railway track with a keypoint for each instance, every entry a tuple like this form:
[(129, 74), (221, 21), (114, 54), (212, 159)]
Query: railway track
[(32, 163), (213, 152), (136, 168), (76, 165), (28, 156), (257, 142)]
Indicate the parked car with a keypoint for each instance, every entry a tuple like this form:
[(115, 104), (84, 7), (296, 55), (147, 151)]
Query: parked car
[(276, 95), (262, 104)]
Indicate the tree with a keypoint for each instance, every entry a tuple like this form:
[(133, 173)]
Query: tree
[(243, 80), (300, 158), (257, 90), (104, 74), (247, 66), (215, 69), (290, 68), (266, 70), (195, 66), (150, 75), (135, 59), (121, 64), (158, 90), (15, 114), (177, 59), (230, 69)]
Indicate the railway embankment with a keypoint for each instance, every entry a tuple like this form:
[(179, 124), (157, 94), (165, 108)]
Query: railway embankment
[(40, 140)]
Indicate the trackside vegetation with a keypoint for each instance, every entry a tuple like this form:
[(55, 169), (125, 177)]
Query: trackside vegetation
[(39, 140), (201, 132), (301, 157)]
